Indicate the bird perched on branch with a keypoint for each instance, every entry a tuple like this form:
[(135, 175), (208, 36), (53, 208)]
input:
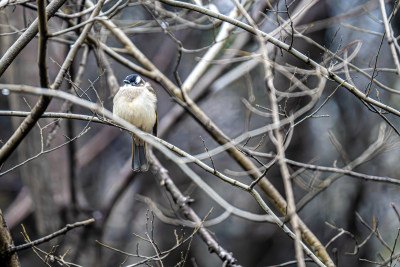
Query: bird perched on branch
[(136, 102)]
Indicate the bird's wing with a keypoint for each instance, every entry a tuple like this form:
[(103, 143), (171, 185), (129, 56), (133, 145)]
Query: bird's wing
[(155, 125)]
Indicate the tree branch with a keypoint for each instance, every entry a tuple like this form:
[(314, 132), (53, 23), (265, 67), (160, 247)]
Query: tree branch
[(7, 259), (49, 237)]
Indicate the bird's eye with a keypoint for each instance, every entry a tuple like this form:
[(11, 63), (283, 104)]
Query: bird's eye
[(138, 80)]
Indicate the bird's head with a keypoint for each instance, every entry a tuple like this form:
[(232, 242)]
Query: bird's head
[(134, 80)]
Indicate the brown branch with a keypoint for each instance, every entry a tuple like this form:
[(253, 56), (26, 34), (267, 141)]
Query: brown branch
[(182, 202), (62, 231), (374, 229), (6, 259), (42, 47), (56, 115), (389, 36)]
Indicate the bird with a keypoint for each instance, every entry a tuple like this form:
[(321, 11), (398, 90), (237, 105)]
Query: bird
[(136, 102)]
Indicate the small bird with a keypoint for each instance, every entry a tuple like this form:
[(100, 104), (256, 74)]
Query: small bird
[(136, 102)]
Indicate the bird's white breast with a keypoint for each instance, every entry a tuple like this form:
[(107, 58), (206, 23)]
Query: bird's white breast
[(136, 105)]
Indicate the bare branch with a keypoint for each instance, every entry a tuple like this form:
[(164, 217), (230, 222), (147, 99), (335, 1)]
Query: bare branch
[(389, 36), (47, 238), (6, 258)]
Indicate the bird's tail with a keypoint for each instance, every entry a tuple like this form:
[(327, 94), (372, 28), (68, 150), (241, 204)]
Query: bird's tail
[(139, 156)]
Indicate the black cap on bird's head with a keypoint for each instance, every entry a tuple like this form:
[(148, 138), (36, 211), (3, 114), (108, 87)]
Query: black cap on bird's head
[(134, 80)]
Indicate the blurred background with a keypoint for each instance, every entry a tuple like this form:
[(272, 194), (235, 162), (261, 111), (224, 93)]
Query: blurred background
[(66, 171)]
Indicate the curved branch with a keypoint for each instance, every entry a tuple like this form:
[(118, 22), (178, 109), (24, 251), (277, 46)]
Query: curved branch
[(49, 237)]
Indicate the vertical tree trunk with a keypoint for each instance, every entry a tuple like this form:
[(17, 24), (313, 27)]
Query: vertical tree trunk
[(6, 259)]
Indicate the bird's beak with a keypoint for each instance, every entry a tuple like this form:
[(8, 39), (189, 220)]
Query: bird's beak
[(126, 81)]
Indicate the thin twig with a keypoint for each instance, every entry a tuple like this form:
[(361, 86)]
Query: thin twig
[(389, 36), (206, 149), (44, 239)]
